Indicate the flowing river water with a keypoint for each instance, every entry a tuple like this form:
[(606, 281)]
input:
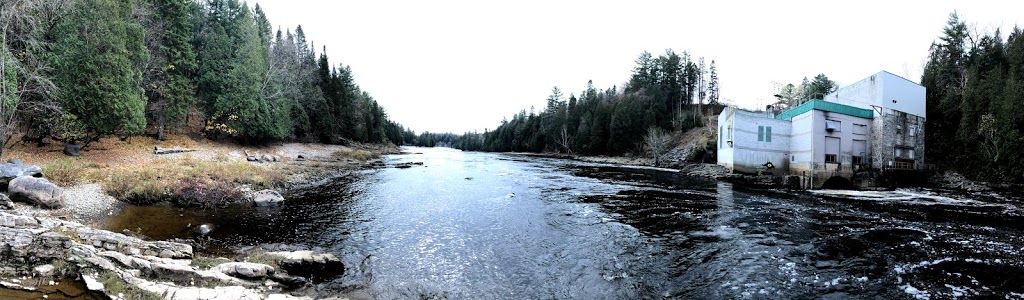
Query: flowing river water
[(496, 226)]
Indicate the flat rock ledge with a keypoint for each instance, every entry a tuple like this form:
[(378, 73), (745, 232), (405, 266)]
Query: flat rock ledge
[(33, 246)]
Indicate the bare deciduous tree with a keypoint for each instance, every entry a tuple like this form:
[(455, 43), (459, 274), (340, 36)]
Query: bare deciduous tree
[(24, 86), (564, 140), (657, 142)]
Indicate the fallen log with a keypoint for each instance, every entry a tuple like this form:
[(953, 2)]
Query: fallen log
[(158, 150)]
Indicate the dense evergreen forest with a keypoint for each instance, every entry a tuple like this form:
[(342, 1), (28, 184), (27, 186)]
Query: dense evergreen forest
[(975, 102), (79, 70), (667, 92)]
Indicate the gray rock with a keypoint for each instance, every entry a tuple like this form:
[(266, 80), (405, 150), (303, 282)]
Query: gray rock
[(289, 297), (245, 270), (133, 246), (14, 169), (72, 150), (18, 221), (288, 280), (217, 293), (251, 158), (266, 158), (311, 264), (38, 191), (44, 270), (92, 284), (5, 202), (267, 198)]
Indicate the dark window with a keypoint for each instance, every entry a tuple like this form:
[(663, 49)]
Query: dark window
[(858, 160), (831, 158)]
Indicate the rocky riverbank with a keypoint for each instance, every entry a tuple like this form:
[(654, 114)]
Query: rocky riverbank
[(118, 266), (47, 240)]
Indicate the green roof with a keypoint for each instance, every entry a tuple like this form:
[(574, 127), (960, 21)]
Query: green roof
[(823, 105)]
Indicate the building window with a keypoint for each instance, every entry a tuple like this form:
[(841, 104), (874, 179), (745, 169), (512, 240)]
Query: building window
[(721, 137), (912, 130), (831, 149), (860, 129), (910, 153), (833, 125), (860, 150), (729, 139), (764, 134)]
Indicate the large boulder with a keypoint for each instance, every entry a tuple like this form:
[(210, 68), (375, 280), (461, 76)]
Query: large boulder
[(36, 190), (245, 270), (267, 198), (311, 264), (72, 150), (15, 168)]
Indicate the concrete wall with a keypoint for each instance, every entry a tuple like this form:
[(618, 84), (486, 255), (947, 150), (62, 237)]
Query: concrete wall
[(749, 153), (802, 143), (808, 140), (902, 95), (861, 94), (725, 125), (885, 90)]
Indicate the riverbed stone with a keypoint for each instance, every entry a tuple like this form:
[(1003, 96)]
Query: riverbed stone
[(310, 264), (245, 270), (288, 280), (37, 191), (267, 198)]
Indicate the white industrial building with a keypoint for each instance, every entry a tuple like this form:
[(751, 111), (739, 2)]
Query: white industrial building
[(873, 125)]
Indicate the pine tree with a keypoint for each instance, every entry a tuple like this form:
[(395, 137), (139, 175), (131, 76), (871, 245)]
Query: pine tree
[(174, 61), (713, 87), (100, 39), (943, 78)]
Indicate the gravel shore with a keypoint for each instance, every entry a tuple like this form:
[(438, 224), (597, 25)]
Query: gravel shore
[(89, 202)]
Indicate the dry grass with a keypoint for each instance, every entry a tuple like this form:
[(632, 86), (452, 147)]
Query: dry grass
[(261, 257), (359, 155), (114, 285), (128, 170), (206, 262)]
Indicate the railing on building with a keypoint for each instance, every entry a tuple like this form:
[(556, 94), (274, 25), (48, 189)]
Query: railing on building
[(902, 165)]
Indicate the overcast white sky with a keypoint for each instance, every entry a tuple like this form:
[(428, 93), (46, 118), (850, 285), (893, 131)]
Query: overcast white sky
[(457, 66)]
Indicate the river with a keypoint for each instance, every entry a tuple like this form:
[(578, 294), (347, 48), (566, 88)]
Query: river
[(499, 226)]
